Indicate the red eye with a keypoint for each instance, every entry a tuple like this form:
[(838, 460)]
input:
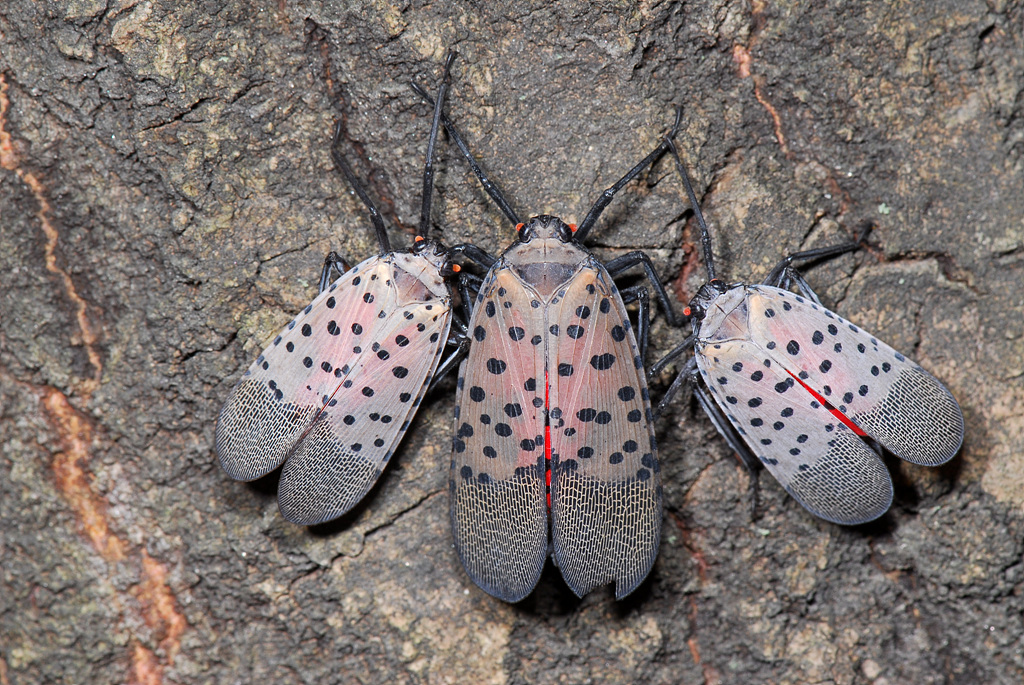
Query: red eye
[(572, 227)]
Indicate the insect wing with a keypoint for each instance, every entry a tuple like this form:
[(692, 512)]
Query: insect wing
[(278, 397), (605, 482), (498, 508), (885, 394), (351, 441), (820, 461)]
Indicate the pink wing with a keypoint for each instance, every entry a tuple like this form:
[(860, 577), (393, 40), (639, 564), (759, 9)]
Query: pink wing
[(605, 481), (821, 462), (334, 393), (889, 397), (277, 398), (351, 441), (498, 509)]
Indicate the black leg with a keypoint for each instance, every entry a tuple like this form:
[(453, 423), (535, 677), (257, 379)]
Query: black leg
[(639, 294), (683, 380), (627, 261), (461, 327), (475, 254), (672, 354), (346, 170), (607, 195), (725, 427), (790, 277), (736, 442), (679, 383), (428, 169), (332, 263), (690, 377), (472, 280), (705, 235), (452, 360), (489, 186), (776, 274), (466, 281)]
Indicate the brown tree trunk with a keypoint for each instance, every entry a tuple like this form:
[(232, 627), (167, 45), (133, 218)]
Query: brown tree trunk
[(166, 199)]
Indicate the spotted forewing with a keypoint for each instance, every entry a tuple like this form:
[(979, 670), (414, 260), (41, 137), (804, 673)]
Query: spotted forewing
[(498, 507), (605, 483)]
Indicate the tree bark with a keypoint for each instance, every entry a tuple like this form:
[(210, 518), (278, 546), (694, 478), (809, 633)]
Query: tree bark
[(166, 199)]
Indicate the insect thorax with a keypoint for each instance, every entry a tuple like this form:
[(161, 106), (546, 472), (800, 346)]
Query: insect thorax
[(417, 275), (724, 312), (545, 257)]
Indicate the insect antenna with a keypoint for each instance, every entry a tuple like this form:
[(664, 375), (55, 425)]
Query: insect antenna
[(607, 195), (428, 170), (489, 186), (705, 236), (346, 170)]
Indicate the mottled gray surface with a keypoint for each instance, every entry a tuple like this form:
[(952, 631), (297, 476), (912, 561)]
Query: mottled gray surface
[(166, 198)]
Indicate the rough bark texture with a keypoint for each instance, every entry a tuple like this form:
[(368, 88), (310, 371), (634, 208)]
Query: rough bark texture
[(166, 199)]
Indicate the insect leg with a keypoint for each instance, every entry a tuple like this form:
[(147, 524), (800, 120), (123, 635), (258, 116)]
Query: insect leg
[(683, 379), (332, 263), (725, 427), (476, 254), (672, 354), (736, 442), (606, 197), (446, 365), (776, 275), (627, 261), (461, 328), (639, 294), (488, 185), (346, 170), (793, 277), (471, 280), (466, 281), (705, 236), (428, 169), (459, 335)]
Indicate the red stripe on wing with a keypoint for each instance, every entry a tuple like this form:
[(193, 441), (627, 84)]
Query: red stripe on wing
[(828, 405), (547, 437)]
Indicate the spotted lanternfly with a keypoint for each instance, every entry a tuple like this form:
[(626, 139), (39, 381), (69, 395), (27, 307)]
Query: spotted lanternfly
[(806, 393), (334, 393), (553, 424)]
